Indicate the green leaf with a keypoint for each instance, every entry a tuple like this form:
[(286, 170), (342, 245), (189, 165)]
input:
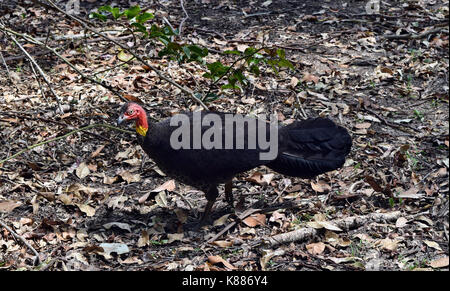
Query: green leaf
[(272, 63), (228, 52), (239, 76), (281, 53), (202, 52), (174, 46), (249, 51), (105, 8), (285, 64), (132, 12), (144, 17), (98, 16), (210, 97), (187, 52), (217, 69), (254, 70), (140, 28), (231, 86), (116, 12)]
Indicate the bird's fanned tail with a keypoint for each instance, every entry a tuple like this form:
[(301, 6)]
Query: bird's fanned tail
[(311, 147)]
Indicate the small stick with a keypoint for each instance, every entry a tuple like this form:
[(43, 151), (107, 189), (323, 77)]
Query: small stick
[(39, 82), (33, 40), (138, 57), (180, 29), (9, 74), (37, 260), (64, 136), (415, 36), (40, 71), (244, 215)]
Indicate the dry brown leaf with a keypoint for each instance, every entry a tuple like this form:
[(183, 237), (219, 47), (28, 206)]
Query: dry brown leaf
[(109, 180), (387, 70), (144, 239), (182, 215), (88, 210), (289, 101), (432, 244), (221, 221), (439, 263), (82, 170), (307, 77), (220, 42), (255, 219), (174, 237), (323, 224), (97, 151), (9, 206), (388, 244), (169, 186), (294, 82), (65, 199), (401, 222), (218, 259), (363, 125), (315, 248), (320, 186), (130, 178), (223, 243), (161, 199)]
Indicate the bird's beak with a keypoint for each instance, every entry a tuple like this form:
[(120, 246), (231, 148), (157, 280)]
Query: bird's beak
[(121, 119)]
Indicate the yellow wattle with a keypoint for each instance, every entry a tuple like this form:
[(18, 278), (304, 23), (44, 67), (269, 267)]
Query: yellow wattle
[(141, 130)]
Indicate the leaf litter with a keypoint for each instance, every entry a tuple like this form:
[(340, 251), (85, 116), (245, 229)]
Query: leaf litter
[(87, 194)]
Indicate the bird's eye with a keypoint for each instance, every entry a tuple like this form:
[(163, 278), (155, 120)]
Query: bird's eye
[(130, 112)]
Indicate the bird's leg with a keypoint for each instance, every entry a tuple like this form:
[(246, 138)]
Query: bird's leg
[(229, 193), (211, 196)]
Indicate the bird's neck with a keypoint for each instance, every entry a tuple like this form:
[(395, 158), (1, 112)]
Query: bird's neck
[(142, 124)]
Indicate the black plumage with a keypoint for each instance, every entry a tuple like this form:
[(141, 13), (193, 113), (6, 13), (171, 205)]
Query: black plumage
[(305, 149)]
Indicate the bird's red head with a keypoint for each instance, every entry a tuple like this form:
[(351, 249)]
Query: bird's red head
[(133, 111)]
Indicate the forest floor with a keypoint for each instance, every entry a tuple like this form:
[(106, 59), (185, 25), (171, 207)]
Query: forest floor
[(91, 201)]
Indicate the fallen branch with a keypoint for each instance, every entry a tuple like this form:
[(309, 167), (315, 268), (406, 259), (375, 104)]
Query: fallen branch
[(37, 260), (345, 224), (64, 136), (251, 211), (414, 35)]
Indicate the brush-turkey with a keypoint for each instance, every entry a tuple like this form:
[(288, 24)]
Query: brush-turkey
[(303, 148)]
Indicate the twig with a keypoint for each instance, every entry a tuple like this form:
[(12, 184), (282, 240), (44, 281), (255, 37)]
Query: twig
[(9, 74), (397, 126), (127, 49), (64, 136), (37, 260), (416, 36), (244, 215), (39, 82), (180, 29), (35, 41), (41, 72)]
